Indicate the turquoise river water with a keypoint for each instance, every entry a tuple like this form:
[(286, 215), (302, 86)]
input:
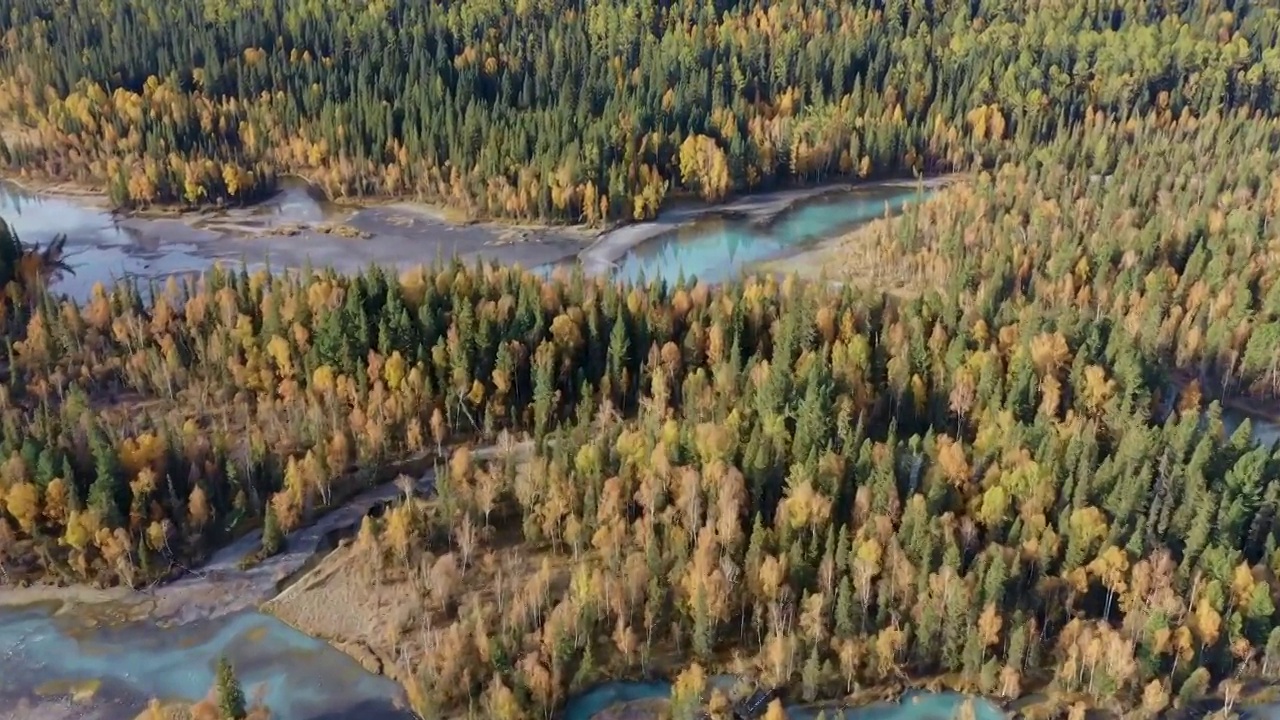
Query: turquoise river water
[(716, 249), (297, 676), (912, 705)]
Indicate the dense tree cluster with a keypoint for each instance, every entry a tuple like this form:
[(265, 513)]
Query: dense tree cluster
[(1163, 227), (587, 109), (842, 493), (24, 272)]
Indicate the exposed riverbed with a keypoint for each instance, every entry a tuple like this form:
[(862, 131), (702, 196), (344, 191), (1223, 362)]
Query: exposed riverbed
[(299, 226), (294, 227)]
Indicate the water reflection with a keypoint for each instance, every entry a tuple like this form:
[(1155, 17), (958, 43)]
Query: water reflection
[(718, 249)]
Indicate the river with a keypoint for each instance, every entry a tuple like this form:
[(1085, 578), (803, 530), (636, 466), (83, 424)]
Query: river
[(720, 247), (913, 705), (290, 229), (298, 226)]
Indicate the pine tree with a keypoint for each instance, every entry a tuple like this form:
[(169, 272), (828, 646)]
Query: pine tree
[(106, 491), (845, 609), (272, 536), (703, 625), (231, 702), (331, 343)]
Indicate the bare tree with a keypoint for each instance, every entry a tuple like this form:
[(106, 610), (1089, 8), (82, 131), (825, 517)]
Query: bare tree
[(466, 537)]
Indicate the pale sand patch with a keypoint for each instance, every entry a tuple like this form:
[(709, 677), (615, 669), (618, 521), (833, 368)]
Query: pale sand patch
[(52, 709), (72, 595)]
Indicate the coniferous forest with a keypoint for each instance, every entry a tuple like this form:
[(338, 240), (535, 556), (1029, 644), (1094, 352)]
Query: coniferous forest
[(584, 111), (1010, 474)]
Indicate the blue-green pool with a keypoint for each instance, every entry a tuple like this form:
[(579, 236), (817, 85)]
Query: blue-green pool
[(716, 249)]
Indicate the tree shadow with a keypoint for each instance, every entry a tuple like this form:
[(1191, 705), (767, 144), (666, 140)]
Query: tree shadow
[(370, 709)]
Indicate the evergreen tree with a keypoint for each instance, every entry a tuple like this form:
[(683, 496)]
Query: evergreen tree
[(231, 701), (272, 536)]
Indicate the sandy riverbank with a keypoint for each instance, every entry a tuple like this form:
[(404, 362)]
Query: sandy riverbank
[(68, 596), (72, 192)]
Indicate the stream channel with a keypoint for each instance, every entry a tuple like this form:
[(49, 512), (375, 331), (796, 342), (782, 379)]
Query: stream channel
[(298, 226)]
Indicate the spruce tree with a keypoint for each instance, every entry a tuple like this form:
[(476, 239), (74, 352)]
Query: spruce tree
[(272, 536), (231, 702), (106, 491)]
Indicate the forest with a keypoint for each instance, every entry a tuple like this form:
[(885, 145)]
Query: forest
[(1008, 475), (586, 110)]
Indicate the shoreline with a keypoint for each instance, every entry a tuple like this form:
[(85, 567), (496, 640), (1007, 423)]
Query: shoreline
[(761, 209), (297, 226), (95, 197), (84, 195), (89, 196), (69, 596), (290, 231)]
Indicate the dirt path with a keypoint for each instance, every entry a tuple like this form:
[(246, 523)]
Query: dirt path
[(221, 586)]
